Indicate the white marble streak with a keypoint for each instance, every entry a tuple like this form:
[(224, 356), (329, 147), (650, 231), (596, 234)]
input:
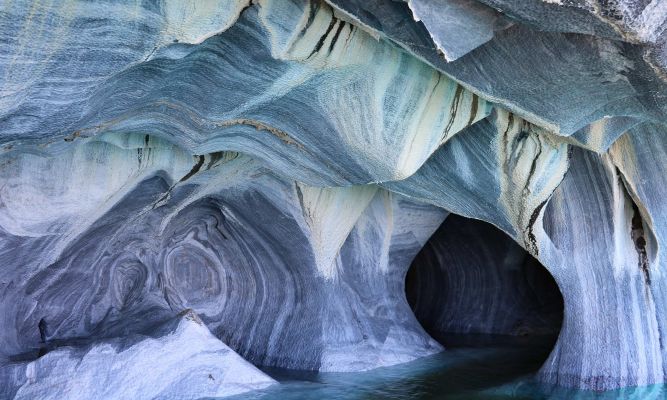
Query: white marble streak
[(184, 359)]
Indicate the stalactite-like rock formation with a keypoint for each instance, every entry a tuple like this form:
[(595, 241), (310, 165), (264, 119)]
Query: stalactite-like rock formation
[(276, 166)]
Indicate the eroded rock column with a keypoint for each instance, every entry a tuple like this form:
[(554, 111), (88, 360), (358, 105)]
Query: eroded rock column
[(599, 249)]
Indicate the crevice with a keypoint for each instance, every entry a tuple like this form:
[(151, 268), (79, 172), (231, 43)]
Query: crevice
[(637, 236), (341, 25), (215, 157), (637, 230), (42, 330), (473, 109), (532, 240), (311, 17), (194, 169), (454, 109), (320, 42), (260, 126)]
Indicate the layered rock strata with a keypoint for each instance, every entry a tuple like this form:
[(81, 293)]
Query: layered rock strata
[(275, 166)]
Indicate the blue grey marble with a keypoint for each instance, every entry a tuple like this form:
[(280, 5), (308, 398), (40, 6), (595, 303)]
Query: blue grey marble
[(179, 359), (239, 245), (276, 166), (585, 77)]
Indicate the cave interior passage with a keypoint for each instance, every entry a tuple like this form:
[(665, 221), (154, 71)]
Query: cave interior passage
[(472, 285)]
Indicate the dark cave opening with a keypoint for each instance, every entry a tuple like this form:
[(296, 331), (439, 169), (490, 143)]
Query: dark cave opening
[(471, 286)]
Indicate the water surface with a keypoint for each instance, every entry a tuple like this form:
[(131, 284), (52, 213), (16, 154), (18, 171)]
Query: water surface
[(496, 371)]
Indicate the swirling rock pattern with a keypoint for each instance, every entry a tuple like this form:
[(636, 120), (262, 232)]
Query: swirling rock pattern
[(218, 246), (276, 166)]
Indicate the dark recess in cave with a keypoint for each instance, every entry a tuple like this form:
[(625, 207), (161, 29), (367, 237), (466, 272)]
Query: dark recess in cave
[(473, 286)]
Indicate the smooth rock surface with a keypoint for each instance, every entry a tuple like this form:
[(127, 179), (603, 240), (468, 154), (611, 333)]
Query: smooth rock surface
[(209, 241), (180, 359), (277, 165)]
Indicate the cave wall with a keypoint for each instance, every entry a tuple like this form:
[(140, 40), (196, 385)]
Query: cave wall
[(606, 286), (253, 254), (273, 163)]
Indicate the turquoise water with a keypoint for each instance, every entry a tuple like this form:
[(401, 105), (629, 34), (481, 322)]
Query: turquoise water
[(490, 372)]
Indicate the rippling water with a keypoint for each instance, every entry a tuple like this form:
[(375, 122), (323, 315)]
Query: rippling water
[(492, 372)]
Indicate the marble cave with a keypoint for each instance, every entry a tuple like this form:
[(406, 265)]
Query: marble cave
[(276, 199)]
